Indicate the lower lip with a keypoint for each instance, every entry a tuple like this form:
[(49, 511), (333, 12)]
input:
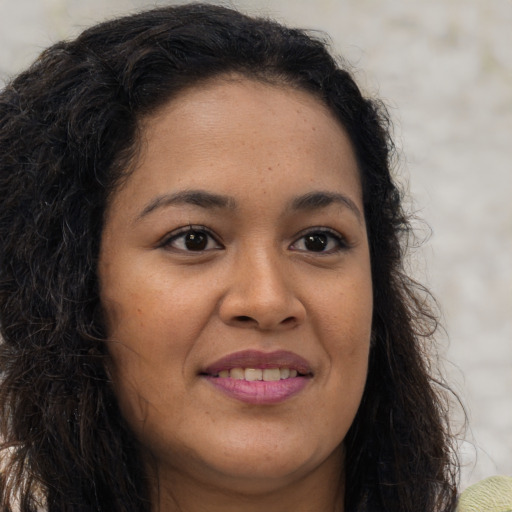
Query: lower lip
[(259, 392)]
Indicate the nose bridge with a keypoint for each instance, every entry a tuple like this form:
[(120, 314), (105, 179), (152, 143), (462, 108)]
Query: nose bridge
[(267, 278), (261, 290)]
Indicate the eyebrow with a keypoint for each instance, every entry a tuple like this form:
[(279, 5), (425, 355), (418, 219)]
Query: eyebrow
[(208, 200), (199, 198), (323, 199)]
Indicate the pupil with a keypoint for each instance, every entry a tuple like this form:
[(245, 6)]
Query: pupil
[(317, 242), (196, 241)]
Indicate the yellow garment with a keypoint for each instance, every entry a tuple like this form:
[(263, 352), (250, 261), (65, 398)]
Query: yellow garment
[(493, 494)]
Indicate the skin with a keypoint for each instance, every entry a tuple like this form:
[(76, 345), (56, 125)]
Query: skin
[(171, 312)]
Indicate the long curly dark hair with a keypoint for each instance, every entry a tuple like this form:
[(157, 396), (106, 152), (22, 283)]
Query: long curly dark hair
[(69, 132)]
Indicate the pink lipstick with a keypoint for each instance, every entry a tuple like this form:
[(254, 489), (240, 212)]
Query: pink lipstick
[(260, 378)]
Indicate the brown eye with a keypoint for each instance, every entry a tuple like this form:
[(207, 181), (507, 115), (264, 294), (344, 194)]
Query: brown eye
[(316, 242), (191, 240), (195, 241), (322, 241)]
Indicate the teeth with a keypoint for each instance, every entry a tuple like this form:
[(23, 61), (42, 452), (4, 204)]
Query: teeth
[(253, 374), (237, 373), (284, 373), (271, 374)]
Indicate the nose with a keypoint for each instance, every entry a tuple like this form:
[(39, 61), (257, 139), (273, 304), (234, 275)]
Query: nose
[(262, 294)]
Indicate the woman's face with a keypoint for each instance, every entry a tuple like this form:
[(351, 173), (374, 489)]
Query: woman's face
[(237, 250)]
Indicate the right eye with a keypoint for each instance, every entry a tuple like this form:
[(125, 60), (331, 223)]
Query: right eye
[(191, 239)]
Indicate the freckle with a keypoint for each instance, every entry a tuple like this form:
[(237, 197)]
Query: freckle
[(139, 311), (269, 168)]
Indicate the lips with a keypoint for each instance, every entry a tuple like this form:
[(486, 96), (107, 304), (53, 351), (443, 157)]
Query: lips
[(260, 360), (259, 378)]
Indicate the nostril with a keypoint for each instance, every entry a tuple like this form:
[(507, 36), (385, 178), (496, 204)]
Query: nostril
[(289, 320), (243, 318)]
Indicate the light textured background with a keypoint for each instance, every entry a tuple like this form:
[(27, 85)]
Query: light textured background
[(444, 67)]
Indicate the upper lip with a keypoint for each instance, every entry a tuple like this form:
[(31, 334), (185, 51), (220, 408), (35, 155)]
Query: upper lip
[(258, 359)]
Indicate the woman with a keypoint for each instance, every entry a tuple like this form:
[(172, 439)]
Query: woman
[(203, 301)]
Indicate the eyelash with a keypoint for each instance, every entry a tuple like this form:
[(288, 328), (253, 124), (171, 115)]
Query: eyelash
[(327, 234)]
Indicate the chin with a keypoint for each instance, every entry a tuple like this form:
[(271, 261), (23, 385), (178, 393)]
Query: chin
[(258, 469), (260, 476)]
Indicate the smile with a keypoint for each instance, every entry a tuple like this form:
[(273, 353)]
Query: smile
[(254, 374), (260, 378)]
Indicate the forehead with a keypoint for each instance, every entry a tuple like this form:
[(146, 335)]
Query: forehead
[(234, 131), (239, 99)]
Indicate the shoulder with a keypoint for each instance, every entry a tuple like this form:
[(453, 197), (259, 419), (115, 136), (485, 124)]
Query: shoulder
[(493, 494)]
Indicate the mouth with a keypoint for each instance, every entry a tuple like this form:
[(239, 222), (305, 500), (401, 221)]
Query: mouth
[(254, 365), (259, 378), (264, 374)]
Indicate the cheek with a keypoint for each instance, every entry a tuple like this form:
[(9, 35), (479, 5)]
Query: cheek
[(344, 323), (345, 309), (146, 366), (154, 312), (148, 342)]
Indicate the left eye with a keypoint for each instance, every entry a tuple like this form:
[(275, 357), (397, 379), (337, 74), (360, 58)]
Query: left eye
[(195, 240), (319, 241)]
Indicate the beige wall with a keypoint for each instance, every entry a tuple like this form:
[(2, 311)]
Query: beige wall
[(445, 69)]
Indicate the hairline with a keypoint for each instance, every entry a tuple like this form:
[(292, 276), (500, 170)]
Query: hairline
[(135, 151)]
